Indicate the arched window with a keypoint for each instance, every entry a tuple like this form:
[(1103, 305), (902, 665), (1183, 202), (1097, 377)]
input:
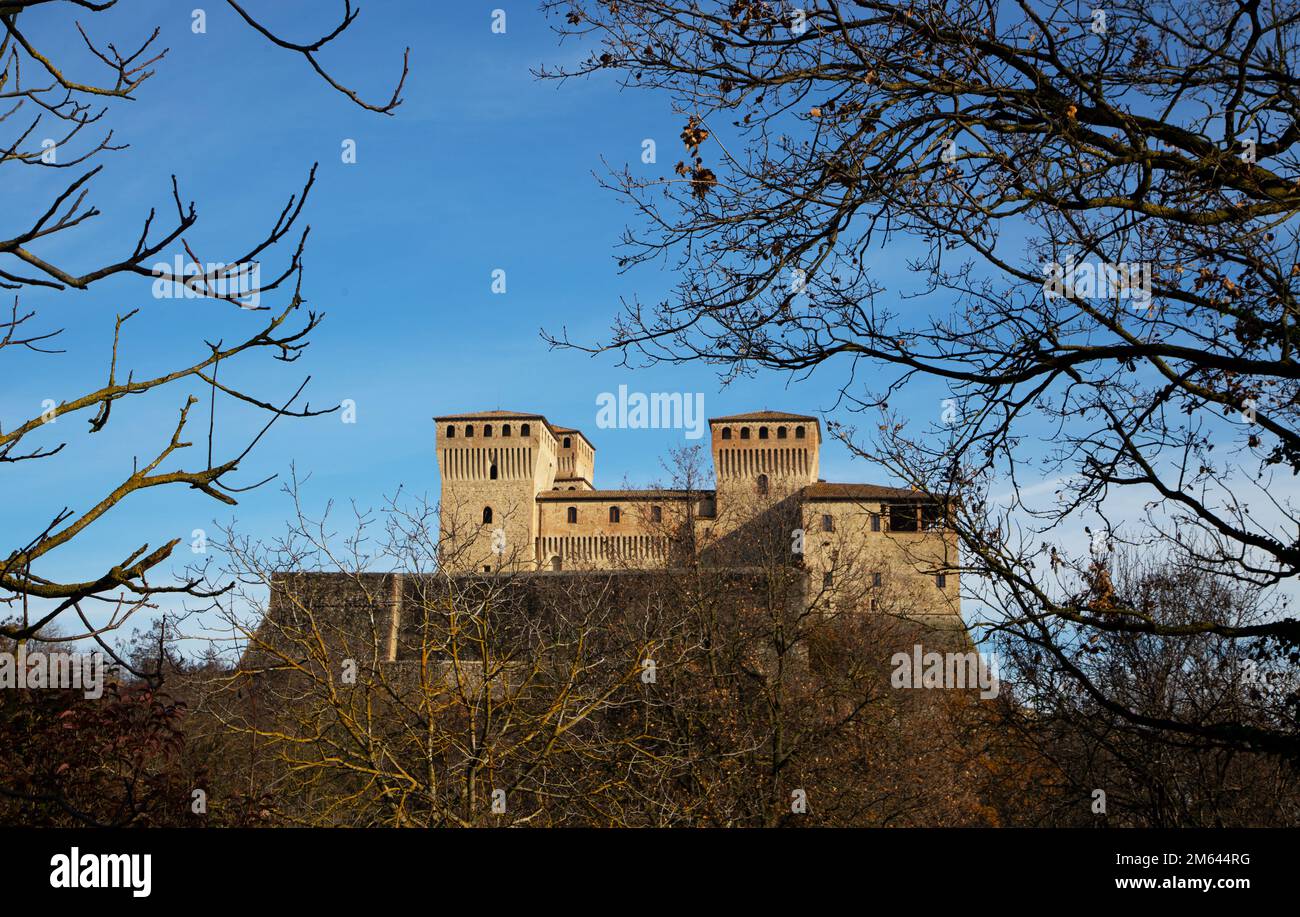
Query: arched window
[(656, 514), (469, 430), (762, 432), (573, 515), (505, 429), (571, 487), (451, 432), (556, 563), (762, 484), (726, 432), (798, 432), (523, 429), (487, 429), (487, 515), (614, 514), (492, 472), (568, 442), (780, 432), (744, 432)]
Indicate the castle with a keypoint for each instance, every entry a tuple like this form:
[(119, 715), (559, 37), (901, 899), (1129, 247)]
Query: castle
[(564, 626), (518, 495)]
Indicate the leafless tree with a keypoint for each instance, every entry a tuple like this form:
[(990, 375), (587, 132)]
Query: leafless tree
[(378, 685), (1150, 776), (41, 98), (1099, 214)]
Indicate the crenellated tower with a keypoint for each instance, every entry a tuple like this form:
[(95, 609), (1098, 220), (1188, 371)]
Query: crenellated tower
[(765, 452), (493, 464), (575, 460)]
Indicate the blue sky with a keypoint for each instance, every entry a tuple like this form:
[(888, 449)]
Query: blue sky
[(482, 167)]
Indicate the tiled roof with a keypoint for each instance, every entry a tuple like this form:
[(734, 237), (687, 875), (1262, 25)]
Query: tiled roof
[(483, 415), (824, 491), (762, 415), (560, 431)]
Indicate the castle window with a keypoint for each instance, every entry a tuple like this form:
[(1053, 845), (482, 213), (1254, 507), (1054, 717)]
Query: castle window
[(505, 429), (876, 579), (572, 488), (828, 522), (568, 442), (941, 580), (744, 432), (656, 514), (487, 429), (469, 430), (762, 432), (451, 432), (875, 522), (762, 484), (492, 472), (798, 432), (931, 516), (780, 432), (487, 568), (828, 579), (556, 563), (726, 432), (902, 517), (573, 515), (614, 514), (487, 515), (523, 429)]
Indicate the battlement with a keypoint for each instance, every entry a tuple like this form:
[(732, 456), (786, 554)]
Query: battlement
[(766, 447)]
